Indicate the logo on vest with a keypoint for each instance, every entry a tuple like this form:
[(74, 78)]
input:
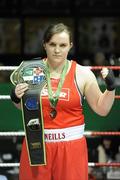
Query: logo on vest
[(64, 94), (55, 136)]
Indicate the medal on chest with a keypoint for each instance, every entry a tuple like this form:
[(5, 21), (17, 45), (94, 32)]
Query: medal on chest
[(54, 96), (53, 113)]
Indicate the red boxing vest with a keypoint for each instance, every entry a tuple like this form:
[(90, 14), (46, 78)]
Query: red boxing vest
[(69, 106)]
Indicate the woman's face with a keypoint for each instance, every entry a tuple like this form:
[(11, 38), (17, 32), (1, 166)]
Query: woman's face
[(58, 47)]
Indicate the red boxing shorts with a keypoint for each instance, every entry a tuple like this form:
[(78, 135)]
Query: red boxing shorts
[(66, 155)]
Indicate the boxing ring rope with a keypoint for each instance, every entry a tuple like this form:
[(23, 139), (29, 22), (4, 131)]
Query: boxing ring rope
[(87, 133), (90, 164), (10, 68), (7, 97), (100, 67), (9, 165)]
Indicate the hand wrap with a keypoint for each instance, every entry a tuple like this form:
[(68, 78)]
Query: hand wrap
[(13, 96), (110, 81)]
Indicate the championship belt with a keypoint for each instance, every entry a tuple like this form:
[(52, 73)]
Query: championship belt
[(33, 73)]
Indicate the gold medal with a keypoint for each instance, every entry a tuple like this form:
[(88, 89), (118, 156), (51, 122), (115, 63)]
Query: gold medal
[(53, 113)]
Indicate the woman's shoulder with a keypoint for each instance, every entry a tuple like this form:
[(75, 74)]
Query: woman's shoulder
[(84, 72), (83, 69)]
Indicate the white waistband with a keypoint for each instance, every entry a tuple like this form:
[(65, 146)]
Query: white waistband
[(64, 134)]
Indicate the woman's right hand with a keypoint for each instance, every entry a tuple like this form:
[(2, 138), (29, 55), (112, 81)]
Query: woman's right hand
[(20, 89)]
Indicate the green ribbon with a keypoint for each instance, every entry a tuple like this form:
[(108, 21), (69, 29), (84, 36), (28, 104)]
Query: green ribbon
[(53, 98)]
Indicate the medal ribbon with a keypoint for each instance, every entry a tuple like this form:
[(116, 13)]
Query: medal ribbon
[(53, 97)]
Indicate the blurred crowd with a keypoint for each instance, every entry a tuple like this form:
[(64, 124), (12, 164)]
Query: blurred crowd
[(100, 59), (105, 149)]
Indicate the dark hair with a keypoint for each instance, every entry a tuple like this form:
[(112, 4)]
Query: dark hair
[(54, 29)]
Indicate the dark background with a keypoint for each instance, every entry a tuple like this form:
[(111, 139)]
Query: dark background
[(95, 25)]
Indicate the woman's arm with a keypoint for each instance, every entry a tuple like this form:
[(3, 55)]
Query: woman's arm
[(100, 102)]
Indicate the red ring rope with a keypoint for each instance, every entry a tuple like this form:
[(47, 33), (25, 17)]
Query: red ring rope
[(105, 133), (114, 164), (117, 97), (100, 67), (6, 68)]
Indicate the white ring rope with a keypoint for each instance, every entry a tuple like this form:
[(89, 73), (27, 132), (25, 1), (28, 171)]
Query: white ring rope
[(18, 164), (9, 164), (4, 97), (90, 164), (8, 68), (7, 97), (86, 133), (20, 133)]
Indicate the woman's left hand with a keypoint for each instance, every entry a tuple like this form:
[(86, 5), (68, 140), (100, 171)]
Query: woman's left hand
[(104, 72), (109, 78)]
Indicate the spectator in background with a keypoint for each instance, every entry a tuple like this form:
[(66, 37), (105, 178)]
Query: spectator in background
[(117, 156), (114, 61), (91, 174), (99, 60), (106, 151), (104, 39), (86, 62)]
